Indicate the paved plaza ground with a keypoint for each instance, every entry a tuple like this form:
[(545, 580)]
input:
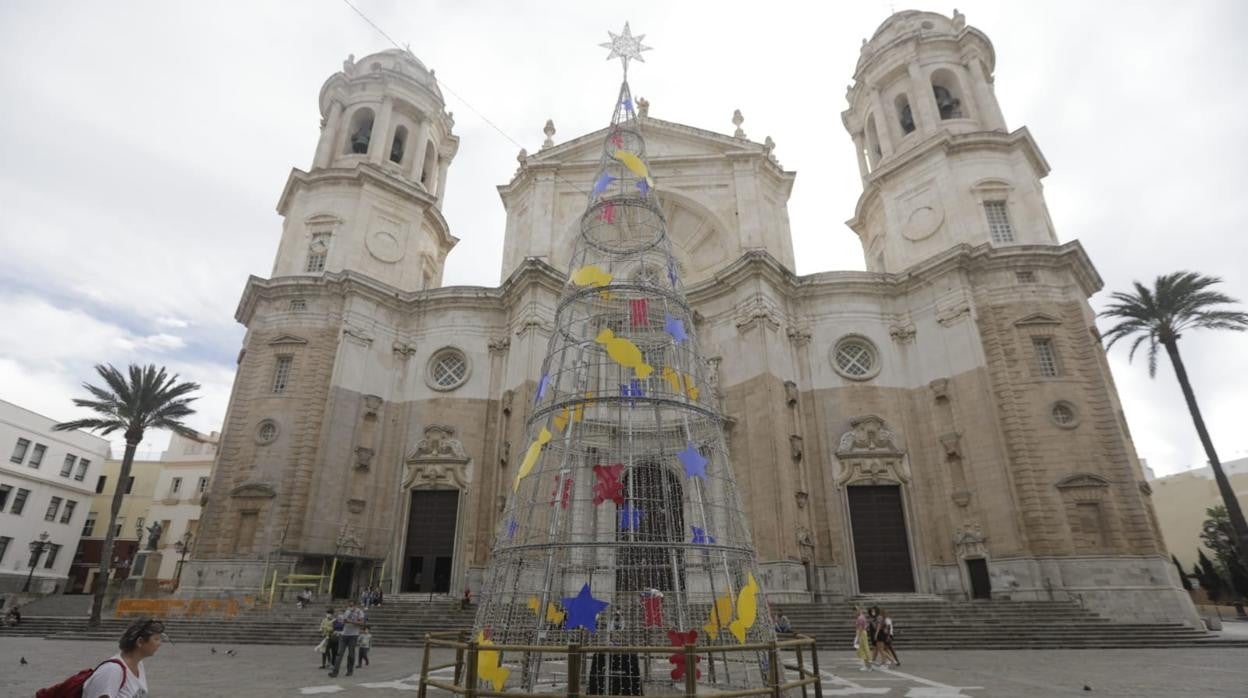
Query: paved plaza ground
[(191, 669)]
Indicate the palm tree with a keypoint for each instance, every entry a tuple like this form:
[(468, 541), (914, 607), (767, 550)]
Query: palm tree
[(1178, 302), (150, 399)]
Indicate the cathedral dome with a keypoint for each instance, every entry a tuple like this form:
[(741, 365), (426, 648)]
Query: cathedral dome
[(392, 66), (917, 24)]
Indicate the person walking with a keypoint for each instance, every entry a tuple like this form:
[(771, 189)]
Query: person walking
[(123, 675), (886, 637), (353, 618), (862, 641), (365, 643)]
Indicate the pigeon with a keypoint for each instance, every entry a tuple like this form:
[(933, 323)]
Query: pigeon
[(1086, 687), (24, 662), (214, 649), (230, 653)]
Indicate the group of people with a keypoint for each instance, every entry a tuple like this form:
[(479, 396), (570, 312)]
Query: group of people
[(371, 596), (341, 635), (13, 618), (873, 638)]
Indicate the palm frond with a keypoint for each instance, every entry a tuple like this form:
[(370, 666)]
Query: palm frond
[(105, 426)]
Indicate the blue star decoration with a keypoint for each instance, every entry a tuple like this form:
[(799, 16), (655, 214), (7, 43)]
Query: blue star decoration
[(694, 462), (511, 528), (674, 327), (630, 518), (700, 537), (582, 610), (628, 104)]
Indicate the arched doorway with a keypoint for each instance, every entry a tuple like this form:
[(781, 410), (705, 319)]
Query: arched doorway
[(657, 494), (435, 482)]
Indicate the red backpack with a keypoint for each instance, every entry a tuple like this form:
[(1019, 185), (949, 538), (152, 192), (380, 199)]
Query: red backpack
[(72, 687)]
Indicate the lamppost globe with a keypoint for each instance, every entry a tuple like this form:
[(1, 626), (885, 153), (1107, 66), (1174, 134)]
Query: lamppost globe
[(36, 551)]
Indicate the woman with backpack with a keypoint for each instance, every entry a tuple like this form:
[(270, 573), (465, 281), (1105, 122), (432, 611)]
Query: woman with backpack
[(120, 676)]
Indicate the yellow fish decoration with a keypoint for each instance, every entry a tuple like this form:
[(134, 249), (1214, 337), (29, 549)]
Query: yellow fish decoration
[(634, 164), (530, 457), (488, 666), (553, 614), (673, 379), (624, 353), (721, 615), (747, 609), (591, 275)]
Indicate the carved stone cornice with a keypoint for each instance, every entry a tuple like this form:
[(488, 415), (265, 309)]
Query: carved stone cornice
[(254, 490)]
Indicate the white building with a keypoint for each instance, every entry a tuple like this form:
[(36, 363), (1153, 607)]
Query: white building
[(46, 485), (183, 479)]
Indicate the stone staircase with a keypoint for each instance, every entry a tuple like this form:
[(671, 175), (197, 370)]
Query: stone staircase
[(922, 623), (934, 623)]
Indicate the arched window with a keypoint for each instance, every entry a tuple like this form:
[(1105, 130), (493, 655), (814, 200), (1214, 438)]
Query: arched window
[(428, 172), (361, 131), (874, 154), (398, 144), (904, 116), (652, 513), (948, 94)]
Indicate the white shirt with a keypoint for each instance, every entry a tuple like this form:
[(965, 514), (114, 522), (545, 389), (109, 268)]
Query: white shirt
[(106, 681)]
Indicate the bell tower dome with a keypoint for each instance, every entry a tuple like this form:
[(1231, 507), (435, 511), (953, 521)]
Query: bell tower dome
[(371, 202), (939, 167)]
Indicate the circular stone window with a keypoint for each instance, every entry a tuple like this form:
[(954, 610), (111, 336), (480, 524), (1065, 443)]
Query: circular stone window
[(448, 369), (266, 433), (1064, 415), (855, 358)]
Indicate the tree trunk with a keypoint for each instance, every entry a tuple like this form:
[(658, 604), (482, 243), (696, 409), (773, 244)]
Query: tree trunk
[(1239, 528), (106, 553)]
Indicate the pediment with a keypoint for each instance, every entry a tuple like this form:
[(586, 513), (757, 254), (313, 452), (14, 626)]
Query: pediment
[(1037, 319), (287, 339), (664, 139), (254, 490), (1082, 480)]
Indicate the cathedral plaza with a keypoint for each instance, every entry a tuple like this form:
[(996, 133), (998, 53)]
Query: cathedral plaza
[(653, 458)]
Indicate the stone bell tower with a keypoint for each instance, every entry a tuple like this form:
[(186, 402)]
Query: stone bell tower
[(371, 202), (939, 167)]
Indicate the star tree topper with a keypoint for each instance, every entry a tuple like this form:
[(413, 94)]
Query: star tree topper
[(625, 46)]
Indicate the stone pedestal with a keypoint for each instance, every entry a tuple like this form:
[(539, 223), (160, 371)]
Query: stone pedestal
[(145, 573)]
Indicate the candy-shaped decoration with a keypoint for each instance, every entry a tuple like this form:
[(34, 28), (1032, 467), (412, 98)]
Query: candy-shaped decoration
[(530, 457), (488, 664), (652, 608), (691, 389), (721, 616), (591, 275), (672, 377), (638, 312), (567, 493), (583, 610), (624, 353), (635, 165), (608, 485), (680, 639), (747, 609)]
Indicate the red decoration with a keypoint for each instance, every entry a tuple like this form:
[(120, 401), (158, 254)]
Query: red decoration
[(638, 312), (617, 140), (608, 485), (567, 493), (679, 639), (652, 607), (608, 212)]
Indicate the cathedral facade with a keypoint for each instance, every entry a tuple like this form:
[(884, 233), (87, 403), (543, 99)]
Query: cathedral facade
[(944, 423)]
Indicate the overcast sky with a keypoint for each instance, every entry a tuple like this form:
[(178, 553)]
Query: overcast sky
[(145, 145)]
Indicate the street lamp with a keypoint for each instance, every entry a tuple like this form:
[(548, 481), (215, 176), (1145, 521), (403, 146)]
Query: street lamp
[(36, 551), (181, 547)]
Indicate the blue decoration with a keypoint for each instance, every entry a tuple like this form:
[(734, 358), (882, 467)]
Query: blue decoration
[(632, 390), (694, 462), (542, 385), (512, 526), (582, 610), (600, 185), (628, 104), (644, 186), (630, 518), (700, 537), (674, 327), (671, 271)]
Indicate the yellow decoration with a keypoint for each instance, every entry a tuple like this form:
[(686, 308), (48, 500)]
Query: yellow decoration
[(690, 389), (634, 164), (561, 420), (553, 614), (624, 353), (575, 415), (721, 615), (747, 609), (533, 604), (488, 666), (591, 275), (672, 378), (530, 458)]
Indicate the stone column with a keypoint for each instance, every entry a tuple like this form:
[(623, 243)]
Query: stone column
[(329, 136), (378, 147), (859, 148), (440, 187), (989, 111), (922, 99), (884, 120), (418, 154)]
